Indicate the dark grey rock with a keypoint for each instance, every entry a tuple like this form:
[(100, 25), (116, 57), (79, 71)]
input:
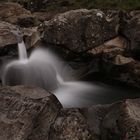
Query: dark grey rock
[(81, 30)]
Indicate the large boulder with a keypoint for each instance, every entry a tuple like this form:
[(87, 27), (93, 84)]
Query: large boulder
[(16, 14), (116, 64), (82, 29), (26, 113), (10, 12), (117, 121)]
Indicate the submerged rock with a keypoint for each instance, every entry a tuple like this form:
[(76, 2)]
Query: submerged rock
[(81, 30)]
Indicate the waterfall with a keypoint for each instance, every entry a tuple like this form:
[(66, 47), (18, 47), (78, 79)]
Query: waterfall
[(22, 51), (44, 69)]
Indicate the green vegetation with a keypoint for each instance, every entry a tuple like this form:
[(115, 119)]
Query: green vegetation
[(74, 4), (101, 4)]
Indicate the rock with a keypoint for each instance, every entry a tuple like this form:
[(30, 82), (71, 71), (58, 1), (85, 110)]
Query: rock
[(34, 5), (95, 114), (70, 125), (10, 12), (31, 113), (117, 121), (128, 74), (6, 34), (9, 37), (114, 63), (27, 22), (82, 29), (110, 48), (45, 16), (122, 70), (130, 28), (26, 113), (32, 36), (121, 60), (16, 14)]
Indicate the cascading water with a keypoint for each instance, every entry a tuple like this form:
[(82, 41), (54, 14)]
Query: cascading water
[(44, 69), (22, 51)]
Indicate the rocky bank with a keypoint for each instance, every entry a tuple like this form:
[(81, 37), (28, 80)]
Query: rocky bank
[(30, 113)]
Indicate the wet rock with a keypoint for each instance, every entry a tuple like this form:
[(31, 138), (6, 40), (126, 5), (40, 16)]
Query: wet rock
[(70, 125), (130, 28), (81, 30), (26, 113)]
